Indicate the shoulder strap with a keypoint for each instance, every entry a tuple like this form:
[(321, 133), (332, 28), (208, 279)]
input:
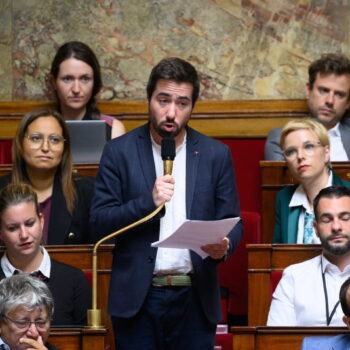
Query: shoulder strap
[(107, 118)]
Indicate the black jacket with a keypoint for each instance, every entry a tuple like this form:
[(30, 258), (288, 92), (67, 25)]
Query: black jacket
[(65, 228)]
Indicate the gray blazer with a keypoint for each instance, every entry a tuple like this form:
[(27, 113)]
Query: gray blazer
[(273, 150)]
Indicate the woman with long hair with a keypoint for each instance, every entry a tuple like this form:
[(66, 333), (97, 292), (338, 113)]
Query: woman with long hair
[(42, 158), (76, 80)]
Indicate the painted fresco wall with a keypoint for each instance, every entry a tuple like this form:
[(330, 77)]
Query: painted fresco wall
[(243, 49)]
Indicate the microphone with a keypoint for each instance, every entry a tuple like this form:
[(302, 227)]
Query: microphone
[(168, 154)]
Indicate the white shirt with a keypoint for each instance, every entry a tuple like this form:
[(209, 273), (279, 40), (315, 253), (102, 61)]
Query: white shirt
[(299, 298), (299, 198), (45, 266), (171, 260), (338, 152)]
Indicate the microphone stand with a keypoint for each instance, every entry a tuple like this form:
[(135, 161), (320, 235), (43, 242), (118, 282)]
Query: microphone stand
[(94, 314)]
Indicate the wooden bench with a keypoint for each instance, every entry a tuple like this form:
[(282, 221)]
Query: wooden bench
[(77, 338), (277, 338), (263, 259)]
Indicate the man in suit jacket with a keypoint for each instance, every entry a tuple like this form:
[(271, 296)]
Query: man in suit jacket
[(165, 298), (340, 342), (328, 98)]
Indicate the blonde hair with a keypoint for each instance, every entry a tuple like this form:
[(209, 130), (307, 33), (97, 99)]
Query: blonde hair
[(308, 124), (14, 194)]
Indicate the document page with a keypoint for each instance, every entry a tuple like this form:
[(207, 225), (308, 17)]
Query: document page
[(193, 234)]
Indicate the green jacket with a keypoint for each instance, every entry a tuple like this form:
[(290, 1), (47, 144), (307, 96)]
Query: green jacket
[(287, 218)]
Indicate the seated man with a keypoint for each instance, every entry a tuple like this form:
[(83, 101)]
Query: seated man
[(307, 294), (328, 98), (26, 308), (340, 342), (21, 227)]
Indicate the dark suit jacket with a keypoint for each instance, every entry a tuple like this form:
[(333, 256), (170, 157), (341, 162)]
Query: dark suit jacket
[(65, 228), (273, 150), (339, 342), (71, 294), (123, 194), (287, 218)]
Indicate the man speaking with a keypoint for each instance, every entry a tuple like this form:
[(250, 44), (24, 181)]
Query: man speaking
[(165, 298)]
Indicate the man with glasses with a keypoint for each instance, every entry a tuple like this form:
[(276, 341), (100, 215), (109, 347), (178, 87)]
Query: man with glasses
[(307, 294), (328, 98), (26, 309)]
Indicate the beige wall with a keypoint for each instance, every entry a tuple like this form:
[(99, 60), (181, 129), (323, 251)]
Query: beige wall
[(243, 49)]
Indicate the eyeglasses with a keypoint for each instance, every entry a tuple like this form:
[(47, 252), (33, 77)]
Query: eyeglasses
[(25, 324), (36, 140), (308, 149)]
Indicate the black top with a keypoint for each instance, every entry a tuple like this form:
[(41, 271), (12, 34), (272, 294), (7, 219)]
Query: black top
[(66, 228)]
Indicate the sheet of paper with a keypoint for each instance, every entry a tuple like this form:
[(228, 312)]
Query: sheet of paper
[(193, 234)]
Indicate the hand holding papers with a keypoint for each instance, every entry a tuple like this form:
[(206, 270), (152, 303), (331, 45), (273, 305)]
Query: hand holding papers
[(194, 234)]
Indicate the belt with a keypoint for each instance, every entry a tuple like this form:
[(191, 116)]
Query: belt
[(171, 281)]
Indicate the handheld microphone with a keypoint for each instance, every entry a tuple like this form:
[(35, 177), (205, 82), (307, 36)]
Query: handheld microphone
[(168, 154)]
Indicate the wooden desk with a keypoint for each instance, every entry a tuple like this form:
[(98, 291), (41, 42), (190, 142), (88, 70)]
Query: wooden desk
[(274, 176), (83, 169), (277, 338), (77, 338), (262, 260), (80, 256)]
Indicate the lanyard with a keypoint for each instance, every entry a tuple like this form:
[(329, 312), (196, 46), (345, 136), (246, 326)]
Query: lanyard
[(328, 316)]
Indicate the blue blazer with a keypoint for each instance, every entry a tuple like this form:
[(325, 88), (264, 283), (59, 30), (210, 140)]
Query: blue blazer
[(123, 194), (339, 342), (287, 218)]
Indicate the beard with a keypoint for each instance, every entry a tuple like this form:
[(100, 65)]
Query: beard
[(163, 133), (336, 250)]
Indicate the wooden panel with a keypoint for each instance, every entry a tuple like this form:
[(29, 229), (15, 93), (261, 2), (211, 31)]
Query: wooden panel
[(83, 169), (80, 256), (274, 176), (222, 119), (77, 338), (277, 257), (276, 338)]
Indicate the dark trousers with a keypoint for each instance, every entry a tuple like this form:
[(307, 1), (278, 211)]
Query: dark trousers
[(170, 319)]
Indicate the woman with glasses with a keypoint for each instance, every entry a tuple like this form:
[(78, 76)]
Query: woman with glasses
[(76, 80), (26, 309), (21, 226), (42, 158), (306, 149)]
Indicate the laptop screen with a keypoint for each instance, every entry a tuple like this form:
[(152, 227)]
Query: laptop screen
[(88, 138)]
